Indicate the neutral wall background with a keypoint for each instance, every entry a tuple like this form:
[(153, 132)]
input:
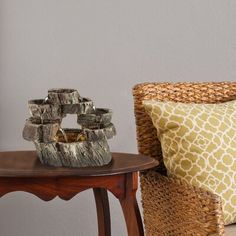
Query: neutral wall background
[(102, 48)]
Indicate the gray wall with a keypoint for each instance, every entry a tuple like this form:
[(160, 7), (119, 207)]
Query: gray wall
[(102, 48)]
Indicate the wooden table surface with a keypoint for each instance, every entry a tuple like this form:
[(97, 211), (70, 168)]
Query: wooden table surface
[(22, 171), (27, 164)]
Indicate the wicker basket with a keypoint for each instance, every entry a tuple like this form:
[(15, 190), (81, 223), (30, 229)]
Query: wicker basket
[(172, 207)]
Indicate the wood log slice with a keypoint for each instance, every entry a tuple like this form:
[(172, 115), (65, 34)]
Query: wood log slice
[(83, 107), (63, 96), (40, 108), (96, 134), (34, 130), (101, 117), (75, 154)]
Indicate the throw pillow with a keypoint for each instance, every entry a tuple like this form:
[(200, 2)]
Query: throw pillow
[(199, 145)]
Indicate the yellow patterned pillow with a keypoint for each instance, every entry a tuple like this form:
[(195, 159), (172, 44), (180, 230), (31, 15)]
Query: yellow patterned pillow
[(199, 145)]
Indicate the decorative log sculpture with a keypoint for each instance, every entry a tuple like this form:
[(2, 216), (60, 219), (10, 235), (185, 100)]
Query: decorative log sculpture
[(85, 146)]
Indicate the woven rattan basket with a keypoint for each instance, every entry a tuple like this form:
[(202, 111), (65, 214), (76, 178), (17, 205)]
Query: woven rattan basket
[(171, 207)]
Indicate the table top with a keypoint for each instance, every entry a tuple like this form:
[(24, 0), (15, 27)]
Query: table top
[(27, 164)]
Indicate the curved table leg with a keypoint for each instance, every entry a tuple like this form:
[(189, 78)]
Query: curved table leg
[(103, 211), (130, 207)]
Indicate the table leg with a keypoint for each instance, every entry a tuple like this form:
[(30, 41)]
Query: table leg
[(103, 211), (130, 206)]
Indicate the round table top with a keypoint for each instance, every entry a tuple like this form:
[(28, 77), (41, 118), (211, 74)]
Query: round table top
[(27, 164)]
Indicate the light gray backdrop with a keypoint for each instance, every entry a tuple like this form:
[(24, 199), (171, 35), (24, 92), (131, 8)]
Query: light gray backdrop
[(102, 48)]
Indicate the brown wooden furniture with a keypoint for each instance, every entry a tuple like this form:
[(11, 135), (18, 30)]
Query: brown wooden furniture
[(22, 171)]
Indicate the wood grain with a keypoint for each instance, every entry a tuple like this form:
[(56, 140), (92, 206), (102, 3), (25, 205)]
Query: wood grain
[(103, 212), (26, 164), (22, 171), (130, 206)]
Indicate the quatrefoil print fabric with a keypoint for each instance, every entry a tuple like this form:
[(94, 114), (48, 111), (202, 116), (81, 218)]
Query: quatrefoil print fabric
[(199, 145)]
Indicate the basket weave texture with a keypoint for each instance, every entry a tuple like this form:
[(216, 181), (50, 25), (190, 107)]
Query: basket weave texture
[(171, 206)]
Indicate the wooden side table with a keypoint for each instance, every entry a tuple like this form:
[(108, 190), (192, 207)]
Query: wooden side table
[(22, 171)]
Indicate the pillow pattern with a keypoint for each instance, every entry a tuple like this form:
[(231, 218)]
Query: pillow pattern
[(199, 145)]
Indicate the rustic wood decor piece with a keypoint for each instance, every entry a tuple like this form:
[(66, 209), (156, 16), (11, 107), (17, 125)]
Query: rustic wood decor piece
[(85, 146)]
